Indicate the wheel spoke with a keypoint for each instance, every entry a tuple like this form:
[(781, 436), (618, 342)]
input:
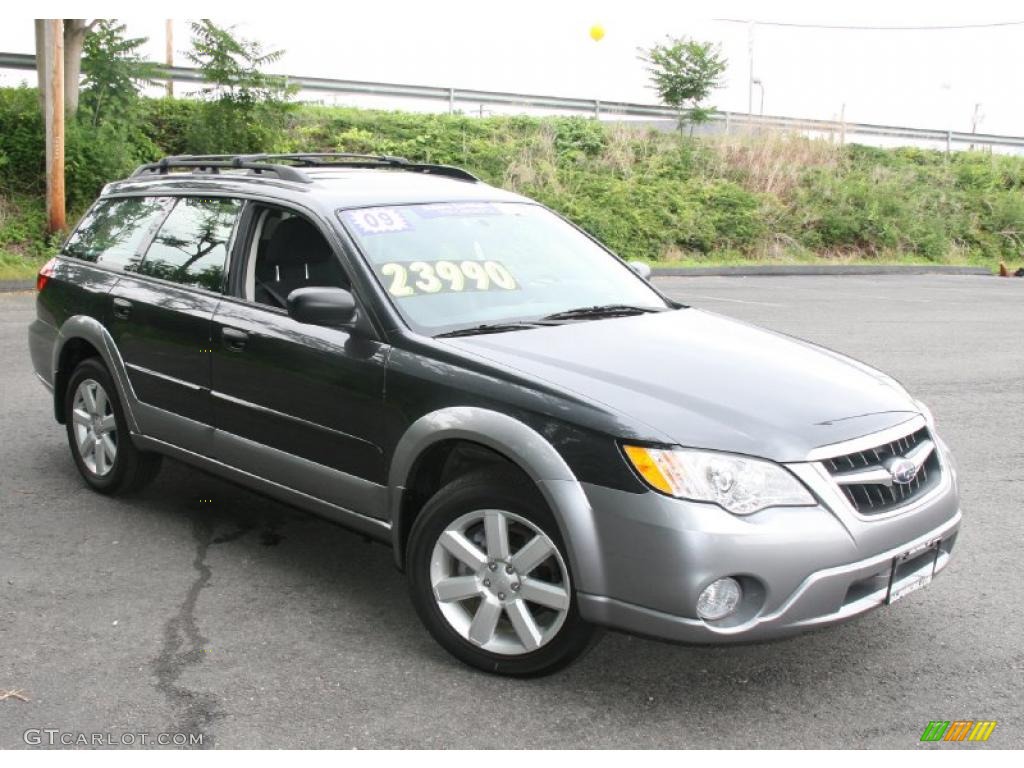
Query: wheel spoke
[(542, 593), (85, 440), (101, 401), (533, 553), (524, 625), (456, 588), (86, 445), (101, 458), (496, 528), (461, 548), (81, 417), (89, 398), (109, 447), (484, 622), (107, 424)]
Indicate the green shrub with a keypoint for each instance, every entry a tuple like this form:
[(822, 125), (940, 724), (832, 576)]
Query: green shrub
[(646, 194)]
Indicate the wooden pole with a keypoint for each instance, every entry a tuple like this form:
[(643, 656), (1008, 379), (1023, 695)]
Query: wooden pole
[(55, 213), (169, 55)]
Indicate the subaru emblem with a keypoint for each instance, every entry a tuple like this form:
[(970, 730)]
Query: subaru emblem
[(903, 471)]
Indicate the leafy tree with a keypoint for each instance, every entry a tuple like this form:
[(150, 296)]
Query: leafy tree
[(232, 66), (114, 71), (244, 108), (684, 72)]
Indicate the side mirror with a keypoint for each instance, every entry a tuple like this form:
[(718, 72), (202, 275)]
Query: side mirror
[(332, 307), (641, 268)]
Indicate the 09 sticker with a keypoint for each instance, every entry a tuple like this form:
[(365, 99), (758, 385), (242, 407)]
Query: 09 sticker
[(376, 221), (414, 278)]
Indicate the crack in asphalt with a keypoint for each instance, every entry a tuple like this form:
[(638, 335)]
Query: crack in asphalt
[(183, 647)]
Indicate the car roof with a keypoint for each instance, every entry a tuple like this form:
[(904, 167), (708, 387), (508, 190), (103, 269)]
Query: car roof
[(330, 188)]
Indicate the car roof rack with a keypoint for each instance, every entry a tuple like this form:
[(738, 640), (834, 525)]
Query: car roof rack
[(288, 167)]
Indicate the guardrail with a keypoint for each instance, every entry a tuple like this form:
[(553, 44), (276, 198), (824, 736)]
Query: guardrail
[(595, 107)]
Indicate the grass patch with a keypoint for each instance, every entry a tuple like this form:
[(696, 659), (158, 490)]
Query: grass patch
[(24, 245)]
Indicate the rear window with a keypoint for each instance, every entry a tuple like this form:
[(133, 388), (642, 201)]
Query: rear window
[(113, 231), (192, 245)]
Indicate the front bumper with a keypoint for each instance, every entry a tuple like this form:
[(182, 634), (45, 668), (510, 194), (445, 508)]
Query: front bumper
[(799, 567)]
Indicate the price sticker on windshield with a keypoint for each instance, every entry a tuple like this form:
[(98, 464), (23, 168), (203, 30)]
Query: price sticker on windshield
[(378, 221), (417, 278)]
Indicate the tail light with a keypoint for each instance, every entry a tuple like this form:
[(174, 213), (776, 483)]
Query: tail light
[(45, 273)]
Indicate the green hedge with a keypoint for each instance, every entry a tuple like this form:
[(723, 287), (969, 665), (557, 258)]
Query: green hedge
[(648, 195)]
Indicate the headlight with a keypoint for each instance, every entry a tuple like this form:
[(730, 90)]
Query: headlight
[(738, 484)]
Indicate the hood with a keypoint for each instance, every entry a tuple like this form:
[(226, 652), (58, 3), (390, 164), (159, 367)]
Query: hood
[(698, 379)]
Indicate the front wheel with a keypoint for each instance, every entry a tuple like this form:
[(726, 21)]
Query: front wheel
[(490, 579)]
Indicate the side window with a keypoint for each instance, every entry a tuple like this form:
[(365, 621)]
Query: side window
[(192, 245), (288, 252), (114, 230)]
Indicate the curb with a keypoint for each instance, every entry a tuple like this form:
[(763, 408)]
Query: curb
[(779, 270), (12, 286)]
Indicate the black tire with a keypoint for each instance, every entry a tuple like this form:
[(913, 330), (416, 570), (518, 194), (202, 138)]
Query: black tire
[(131, 468), (508, 490)]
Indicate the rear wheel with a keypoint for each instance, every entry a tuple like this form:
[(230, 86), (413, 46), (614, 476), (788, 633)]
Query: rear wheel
[(98, 433), (490, 579)]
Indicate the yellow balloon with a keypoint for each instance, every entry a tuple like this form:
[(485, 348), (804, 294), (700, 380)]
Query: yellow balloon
[(596, 32)]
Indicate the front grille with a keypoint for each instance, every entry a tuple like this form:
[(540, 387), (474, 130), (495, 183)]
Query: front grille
[(874, 498)]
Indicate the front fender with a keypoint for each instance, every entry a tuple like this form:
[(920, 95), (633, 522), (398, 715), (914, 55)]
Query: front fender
[(524, 447)]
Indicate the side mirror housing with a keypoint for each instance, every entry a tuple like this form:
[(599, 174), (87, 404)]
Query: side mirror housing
[(641, 268), (331, 307)]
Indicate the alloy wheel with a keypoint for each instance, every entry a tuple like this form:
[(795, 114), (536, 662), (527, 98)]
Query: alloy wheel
[(95, 427), (500, 582)]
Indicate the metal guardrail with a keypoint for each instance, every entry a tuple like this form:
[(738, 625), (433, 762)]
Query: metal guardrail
[(595, 107)]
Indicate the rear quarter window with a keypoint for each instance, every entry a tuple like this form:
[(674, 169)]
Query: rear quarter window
[(114, 231), (191, 247)]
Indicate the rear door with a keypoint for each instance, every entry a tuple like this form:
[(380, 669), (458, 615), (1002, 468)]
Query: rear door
[(161, 312)]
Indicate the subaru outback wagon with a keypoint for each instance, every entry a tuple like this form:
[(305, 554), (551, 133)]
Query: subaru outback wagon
[(549, 444)]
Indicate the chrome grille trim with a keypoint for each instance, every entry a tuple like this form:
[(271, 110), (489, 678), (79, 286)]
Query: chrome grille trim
[(859, 469), (908, 427)]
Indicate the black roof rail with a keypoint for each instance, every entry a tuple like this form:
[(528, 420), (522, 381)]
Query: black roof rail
[(356, 160), (213, 164), (287, 166)]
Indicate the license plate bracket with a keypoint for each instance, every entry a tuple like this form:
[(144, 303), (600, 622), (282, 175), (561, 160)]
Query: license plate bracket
[(912, 570)]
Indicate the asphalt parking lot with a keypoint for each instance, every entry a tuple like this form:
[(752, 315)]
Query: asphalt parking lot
[(260, 627)]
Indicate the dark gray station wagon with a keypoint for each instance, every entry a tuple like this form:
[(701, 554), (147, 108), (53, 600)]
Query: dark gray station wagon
[(549, 443)]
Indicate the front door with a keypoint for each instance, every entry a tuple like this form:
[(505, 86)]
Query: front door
[(297, 404)]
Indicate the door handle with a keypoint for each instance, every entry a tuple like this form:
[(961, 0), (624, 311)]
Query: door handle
[(122, 308), (234, 338)]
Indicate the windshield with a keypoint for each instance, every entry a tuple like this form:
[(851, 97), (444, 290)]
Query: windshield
[(460, 265)]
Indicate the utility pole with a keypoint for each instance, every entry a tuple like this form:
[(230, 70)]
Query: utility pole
[(169, 54), (750, 79), (54, 112)]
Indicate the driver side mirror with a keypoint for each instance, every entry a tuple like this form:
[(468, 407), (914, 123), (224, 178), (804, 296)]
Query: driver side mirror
[(641, 268), (314, 305)]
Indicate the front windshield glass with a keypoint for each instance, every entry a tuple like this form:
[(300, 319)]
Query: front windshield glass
[(459, 265)]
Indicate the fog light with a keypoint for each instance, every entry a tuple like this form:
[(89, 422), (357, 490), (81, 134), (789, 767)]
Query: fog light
[(719, 599)]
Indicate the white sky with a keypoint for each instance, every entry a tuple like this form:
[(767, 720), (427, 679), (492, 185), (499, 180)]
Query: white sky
[(929, 79)]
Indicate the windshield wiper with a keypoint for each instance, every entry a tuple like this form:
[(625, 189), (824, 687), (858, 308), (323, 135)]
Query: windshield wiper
[(487, 328), (601, 310)]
